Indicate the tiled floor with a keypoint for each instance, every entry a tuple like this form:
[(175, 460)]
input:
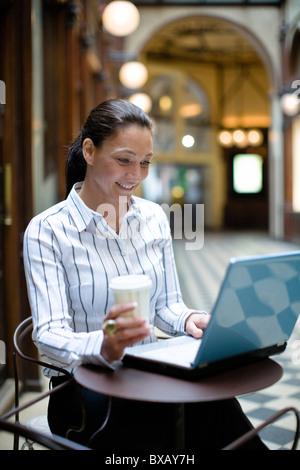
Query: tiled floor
[(201, 273), (34, 412)]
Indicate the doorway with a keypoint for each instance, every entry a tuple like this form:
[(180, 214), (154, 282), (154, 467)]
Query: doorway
[(222, 62)]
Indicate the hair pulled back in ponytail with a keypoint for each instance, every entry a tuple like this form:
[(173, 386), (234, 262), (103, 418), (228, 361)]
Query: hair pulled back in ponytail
[(104, 120)]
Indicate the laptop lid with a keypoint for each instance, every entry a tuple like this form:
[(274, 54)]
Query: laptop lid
[(257, 307)]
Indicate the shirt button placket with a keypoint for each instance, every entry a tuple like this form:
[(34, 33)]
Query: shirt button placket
[(125, 254)]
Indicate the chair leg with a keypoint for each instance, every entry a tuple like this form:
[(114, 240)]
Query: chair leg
[(241, 440), (27, 445)]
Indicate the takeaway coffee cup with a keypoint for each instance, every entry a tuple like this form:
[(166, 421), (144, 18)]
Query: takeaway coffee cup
[(133, 288)]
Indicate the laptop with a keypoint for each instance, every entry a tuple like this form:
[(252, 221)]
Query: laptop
[(253, 318)]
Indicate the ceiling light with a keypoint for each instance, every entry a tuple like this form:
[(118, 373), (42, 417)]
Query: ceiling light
[(255, 137), (120, 18), (239, 137), (133, 74), (188, 141), (225, 138), (177, 192), (290, 104), (165, 103), (190, 110), (142, 100)]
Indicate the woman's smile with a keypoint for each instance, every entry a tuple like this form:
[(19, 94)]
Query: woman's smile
[(127, 187)]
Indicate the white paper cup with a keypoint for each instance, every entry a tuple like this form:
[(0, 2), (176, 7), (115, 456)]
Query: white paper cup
[(133, 288)]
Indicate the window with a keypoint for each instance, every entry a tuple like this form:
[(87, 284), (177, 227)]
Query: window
[(181, 110), (247, 173), (161, 92), (170, 183)]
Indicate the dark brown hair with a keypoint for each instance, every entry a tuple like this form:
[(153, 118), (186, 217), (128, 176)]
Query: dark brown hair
[(103, 121)]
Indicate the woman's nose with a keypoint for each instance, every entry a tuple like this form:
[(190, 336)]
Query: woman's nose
[(134, 173)]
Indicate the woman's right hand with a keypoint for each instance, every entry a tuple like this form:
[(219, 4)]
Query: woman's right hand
[(129, 330)]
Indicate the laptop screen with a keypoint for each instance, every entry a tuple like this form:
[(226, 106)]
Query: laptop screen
[(257, 307)]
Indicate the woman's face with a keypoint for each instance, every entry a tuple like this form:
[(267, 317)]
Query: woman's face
[(121, 163)]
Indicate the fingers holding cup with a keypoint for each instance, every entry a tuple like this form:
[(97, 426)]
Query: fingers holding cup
[(121, 331), (133, 288)]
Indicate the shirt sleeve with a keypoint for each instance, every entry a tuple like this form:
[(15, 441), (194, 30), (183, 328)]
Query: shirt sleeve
[(57, 343), (171, 311)]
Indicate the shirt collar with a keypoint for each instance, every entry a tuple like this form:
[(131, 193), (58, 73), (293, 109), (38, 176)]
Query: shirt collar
[(135, 207), (80, 212), (83, 215)]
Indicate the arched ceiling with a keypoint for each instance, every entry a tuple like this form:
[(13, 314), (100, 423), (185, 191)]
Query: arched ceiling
[(227, 64), (203, 40)]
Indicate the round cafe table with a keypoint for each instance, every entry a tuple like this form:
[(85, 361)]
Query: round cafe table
[(134, 384)]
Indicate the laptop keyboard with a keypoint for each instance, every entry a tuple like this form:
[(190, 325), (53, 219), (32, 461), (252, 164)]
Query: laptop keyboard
[(177, 353)]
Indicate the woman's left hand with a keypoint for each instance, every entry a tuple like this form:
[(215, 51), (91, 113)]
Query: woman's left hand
[(196, 323)]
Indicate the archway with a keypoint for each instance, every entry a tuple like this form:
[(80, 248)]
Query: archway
[(230, 64)]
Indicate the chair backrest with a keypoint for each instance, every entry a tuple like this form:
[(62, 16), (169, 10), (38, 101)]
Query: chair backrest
[(22, 331)]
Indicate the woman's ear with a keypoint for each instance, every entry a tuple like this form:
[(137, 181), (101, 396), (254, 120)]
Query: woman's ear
[(88, 150)]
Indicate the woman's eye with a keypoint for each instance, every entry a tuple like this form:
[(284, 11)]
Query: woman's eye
[(123, 161), (145, 164)]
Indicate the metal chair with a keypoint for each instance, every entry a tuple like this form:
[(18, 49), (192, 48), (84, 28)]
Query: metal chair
[(40, 423), (249, 435)]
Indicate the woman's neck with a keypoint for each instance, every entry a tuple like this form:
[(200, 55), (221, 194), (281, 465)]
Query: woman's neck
[(112, 210)]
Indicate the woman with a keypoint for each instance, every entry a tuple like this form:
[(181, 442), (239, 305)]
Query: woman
[(71, 252)]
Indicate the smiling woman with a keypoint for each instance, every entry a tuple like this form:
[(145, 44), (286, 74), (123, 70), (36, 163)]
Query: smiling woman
[(71, 253)]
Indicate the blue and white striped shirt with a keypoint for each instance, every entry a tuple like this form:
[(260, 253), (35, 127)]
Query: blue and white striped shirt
[(70, 255)]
